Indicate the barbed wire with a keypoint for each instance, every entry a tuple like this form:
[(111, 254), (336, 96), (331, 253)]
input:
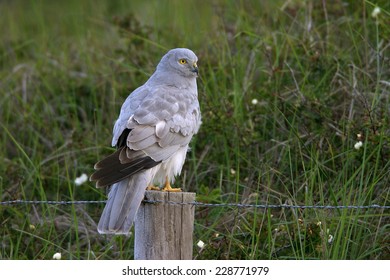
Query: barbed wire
[(200, 204)]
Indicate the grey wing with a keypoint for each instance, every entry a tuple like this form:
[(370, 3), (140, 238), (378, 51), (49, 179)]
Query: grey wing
[(165, 120), (123, 163), (128, 108)]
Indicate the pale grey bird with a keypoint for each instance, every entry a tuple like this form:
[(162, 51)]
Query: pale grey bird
[(155, 126)]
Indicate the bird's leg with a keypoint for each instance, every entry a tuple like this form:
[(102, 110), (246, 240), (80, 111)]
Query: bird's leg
[(152, 188), (168, 188)]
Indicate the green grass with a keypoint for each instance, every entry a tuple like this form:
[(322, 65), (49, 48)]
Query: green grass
[(319, 73)]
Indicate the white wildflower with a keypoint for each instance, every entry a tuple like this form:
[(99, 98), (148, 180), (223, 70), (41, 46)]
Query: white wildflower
[(57, 256), (232, 171), (358, 145), (376, 12), (330, 239), (255, 101), (200, 244), (319, 223), (81, 180)]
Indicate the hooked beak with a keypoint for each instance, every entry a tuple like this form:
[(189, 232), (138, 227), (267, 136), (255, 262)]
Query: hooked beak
[(195, 68)]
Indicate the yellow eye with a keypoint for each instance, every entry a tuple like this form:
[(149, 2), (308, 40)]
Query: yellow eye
[(182, 61)]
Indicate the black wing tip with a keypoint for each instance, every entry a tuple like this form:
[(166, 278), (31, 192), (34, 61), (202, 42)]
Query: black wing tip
[(111, 170)]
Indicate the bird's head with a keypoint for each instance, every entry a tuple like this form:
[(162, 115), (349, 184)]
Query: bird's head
[(182, 61)]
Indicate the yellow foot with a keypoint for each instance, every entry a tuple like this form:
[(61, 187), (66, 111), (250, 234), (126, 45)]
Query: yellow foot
[(152, 188), (168, 188)]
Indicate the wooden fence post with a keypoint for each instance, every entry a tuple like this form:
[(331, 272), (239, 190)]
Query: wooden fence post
[(164, 231)]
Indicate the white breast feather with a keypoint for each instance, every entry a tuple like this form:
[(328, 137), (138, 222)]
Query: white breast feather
[(171, 167)]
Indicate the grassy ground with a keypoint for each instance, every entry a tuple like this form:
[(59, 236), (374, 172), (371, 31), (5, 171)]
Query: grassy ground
[(287, 89)]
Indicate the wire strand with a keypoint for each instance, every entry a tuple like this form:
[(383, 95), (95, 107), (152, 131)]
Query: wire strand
[(199, 204)]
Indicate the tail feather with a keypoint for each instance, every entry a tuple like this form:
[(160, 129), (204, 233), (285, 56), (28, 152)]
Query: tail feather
[(123, 202)]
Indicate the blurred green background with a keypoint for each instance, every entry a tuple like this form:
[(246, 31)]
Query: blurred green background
[(287, 89)]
